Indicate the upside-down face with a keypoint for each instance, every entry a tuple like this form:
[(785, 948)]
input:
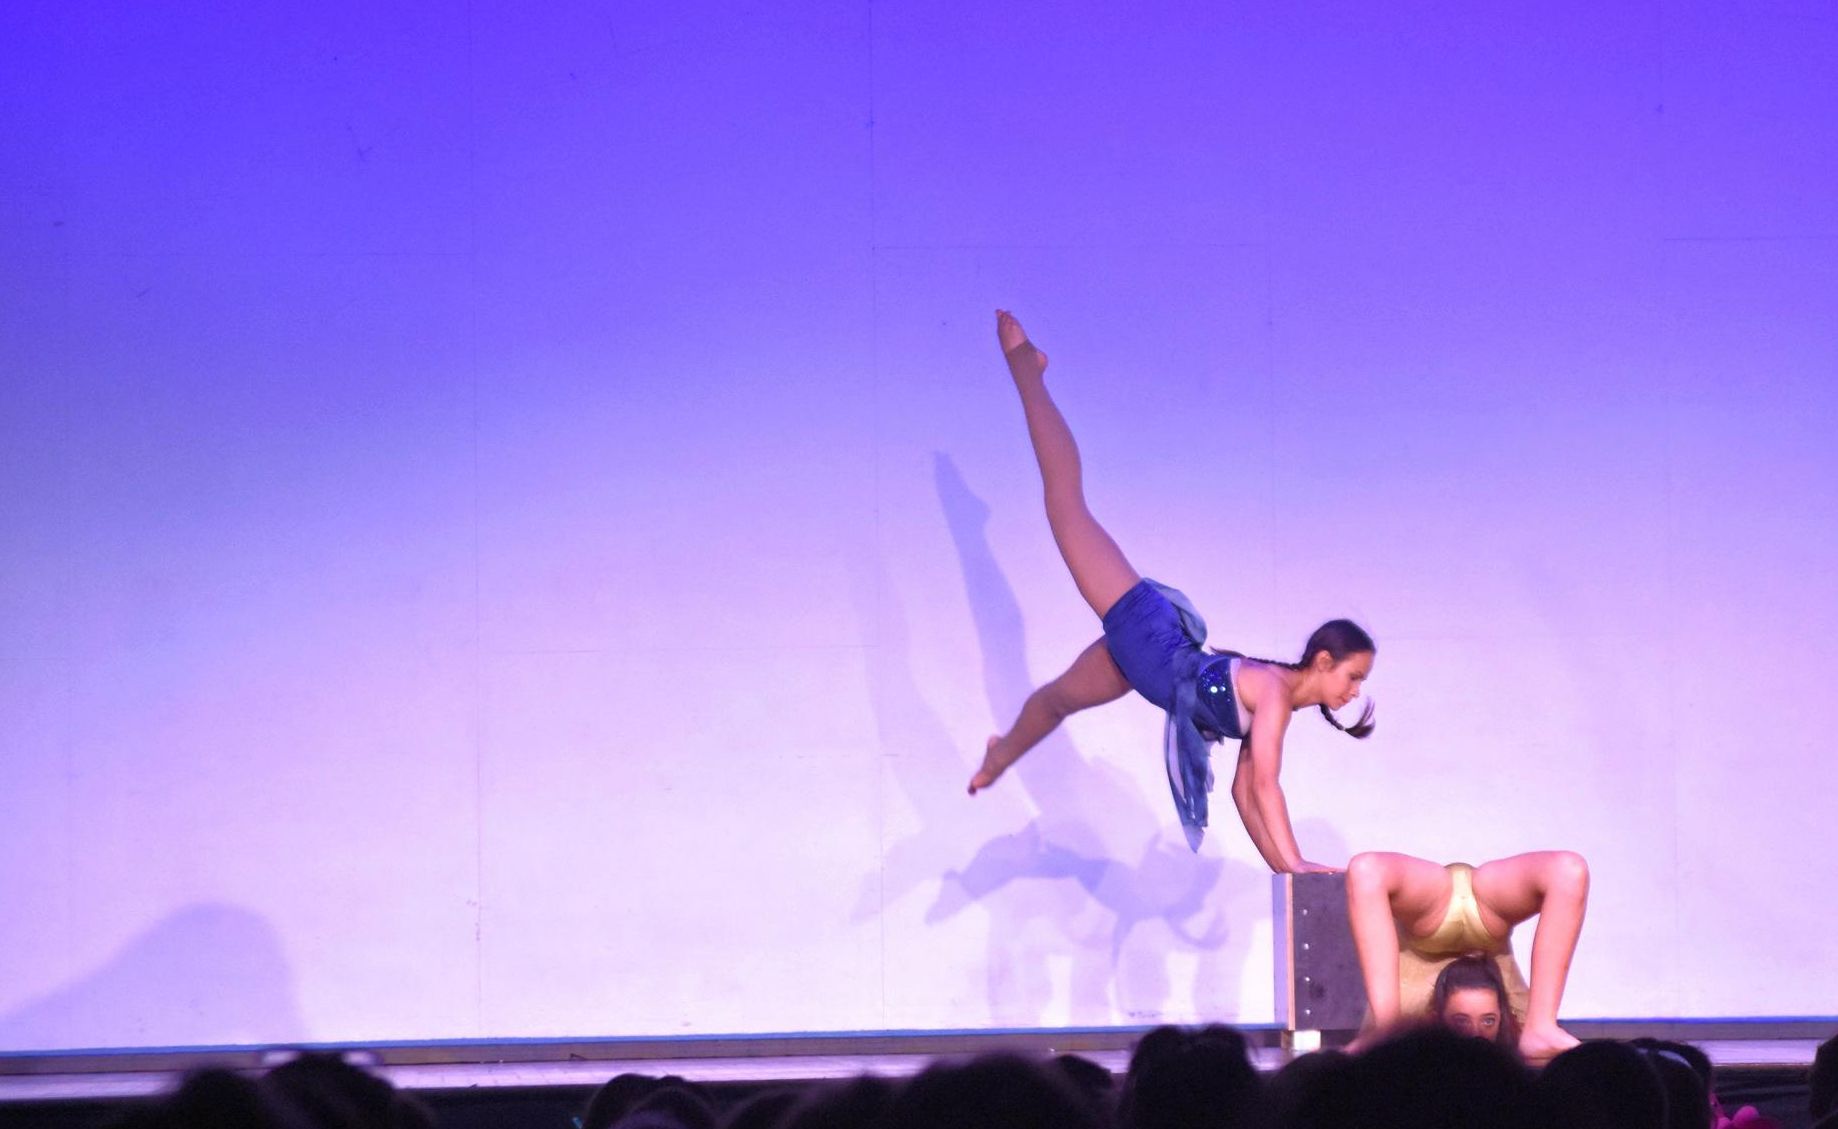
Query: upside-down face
[(1473, 1011)]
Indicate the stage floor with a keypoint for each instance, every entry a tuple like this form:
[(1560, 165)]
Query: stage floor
[(1734, 1045)]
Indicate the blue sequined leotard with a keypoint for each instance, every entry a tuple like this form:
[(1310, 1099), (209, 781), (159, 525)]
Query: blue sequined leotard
[(1156, 638)]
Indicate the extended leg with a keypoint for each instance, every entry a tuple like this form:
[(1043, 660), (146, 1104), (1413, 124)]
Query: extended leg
[(1098, 566), (1385, 890), (1092, 680), (1555, 886)]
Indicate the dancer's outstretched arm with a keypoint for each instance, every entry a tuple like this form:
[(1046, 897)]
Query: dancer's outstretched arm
[(1261, 804), (1247, 811), (1259, 795)]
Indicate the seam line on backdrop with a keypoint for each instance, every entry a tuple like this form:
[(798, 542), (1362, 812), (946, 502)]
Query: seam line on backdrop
[(677, 650), (1226, 245), (478, 618), (265, 256), (1813, 238), (874, 470)]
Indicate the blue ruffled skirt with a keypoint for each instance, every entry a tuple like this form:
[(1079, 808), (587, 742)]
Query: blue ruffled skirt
[(1155, 636)]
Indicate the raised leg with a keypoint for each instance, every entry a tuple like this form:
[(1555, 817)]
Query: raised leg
[(1091, 680), (1099, 568), (1385, 890), (1555, 886)]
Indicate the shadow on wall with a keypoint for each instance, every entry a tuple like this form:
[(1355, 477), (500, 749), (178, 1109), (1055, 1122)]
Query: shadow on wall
[(209, 975), (1062, 896)]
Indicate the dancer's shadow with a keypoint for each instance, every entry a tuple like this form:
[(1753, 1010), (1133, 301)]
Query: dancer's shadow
[(208, 975), (1063, 896)]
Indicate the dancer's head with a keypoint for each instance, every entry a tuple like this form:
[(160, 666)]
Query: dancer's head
[(1603, 1083), (1181, 1077), (1470, 998), (1339, 654)]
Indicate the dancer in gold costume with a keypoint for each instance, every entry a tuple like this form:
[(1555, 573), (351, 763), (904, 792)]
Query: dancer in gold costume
[(1411, 916)]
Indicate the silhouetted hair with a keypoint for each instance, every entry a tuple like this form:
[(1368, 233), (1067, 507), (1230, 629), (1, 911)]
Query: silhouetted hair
[(764, 1110), (859, 1103), (1658, 1051), (1687, 1097), (333, 1094), (1315, 1091), (1431, 1077), (1694, 1057), (1178, 1079), (994, 1090), (675, 1102), (220, 1099), (1822, 1085), (1602, 1084), (1476, 971), (1089, 1079), (667, 1096), (615, 1098)]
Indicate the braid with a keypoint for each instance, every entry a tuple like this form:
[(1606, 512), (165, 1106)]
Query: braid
[(1255, 659), (1362, 728)]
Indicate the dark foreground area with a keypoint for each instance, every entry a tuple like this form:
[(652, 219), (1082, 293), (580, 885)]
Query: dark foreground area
[(1176, 1078)]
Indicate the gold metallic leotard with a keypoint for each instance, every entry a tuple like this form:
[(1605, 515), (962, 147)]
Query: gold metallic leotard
[(1461, 932)]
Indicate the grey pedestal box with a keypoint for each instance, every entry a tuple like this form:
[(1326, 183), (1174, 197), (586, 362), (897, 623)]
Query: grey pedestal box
[(1318, 985)]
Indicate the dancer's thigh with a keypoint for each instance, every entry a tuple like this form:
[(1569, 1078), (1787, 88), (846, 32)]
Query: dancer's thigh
[(1417, 889), (1092, 680), (1513, 889)]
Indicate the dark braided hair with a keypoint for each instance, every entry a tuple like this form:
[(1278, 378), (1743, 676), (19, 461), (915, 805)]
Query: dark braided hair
[(1341, 639)]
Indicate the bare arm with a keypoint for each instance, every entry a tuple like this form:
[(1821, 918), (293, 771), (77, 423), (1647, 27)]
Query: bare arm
[(1255, 787), (1247, 811)]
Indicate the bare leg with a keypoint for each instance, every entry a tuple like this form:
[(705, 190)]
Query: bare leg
[(1555, 886), (1098, 566), (1092, 680), (1385, 890)]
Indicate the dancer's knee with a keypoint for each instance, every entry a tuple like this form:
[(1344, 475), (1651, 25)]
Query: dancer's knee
[(1567, 872), (1368, 875), (1054, 700)]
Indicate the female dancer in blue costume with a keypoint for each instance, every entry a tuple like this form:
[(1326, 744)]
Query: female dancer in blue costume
[(1152, 643)]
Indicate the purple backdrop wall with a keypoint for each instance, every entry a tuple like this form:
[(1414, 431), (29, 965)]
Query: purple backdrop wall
[(514, 524)]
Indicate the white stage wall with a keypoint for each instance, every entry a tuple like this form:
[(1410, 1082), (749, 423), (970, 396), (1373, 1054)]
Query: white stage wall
[(515, 523)]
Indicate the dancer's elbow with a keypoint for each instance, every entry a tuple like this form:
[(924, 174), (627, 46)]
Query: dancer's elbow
[(1264, 789)]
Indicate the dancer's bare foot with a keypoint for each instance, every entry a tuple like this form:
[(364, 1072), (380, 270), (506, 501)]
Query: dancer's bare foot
[(1540, 1044), (1025, 362), (995, 763)]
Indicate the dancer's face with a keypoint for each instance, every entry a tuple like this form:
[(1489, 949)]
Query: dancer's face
[(1341, 681), (1473, 1011)]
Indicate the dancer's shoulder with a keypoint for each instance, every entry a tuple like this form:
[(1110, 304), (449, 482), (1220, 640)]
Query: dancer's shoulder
[(1259, 684)]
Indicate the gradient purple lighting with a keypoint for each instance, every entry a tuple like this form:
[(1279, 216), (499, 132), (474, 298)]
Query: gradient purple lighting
[(512, 523)]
